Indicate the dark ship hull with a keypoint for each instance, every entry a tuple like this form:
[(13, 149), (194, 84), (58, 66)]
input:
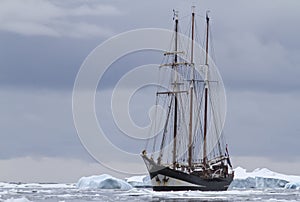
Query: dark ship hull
[(166, 179)]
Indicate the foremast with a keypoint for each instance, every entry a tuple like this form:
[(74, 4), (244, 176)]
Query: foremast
[(174, 93)]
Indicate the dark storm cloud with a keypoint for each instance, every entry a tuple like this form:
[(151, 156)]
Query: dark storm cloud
[(41, 62), (254, 50), (65, 33)]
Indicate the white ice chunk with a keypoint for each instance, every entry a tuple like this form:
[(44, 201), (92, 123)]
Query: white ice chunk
[(17, 200), (292, 185), (139, 181), (103, 182)]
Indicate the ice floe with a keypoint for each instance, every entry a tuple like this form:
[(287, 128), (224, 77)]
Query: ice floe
[(35, 185)]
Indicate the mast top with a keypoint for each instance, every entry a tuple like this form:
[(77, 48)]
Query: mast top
[(175, 14), (207, 17), (193, 9)]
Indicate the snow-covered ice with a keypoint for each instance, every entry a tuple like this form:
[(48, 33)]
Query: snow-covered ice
[(241, 173), (103, 181)]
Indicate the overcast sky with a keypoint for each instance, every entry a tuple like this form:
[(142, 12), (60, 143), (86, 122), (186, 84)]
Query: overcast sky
[(44, 42)]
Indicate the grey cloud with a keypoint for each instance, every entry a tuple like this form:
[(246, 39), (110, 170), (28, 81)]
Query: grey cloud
[(257, 44), (38, 123), (263, 124), (45, 18)]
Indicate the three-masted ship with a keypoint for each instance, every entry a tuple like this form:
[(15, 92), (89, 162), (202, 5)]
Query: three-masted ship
[(189, 152)]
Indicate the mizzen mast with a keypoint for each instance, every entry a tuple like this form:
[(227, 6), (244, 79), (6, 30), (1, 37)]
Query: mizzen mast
[(190, 146), (175, 89), (205, 96)]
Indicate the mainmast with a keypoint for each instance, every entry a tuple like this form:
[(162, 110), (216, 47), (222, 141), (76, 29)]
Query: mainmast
[(205, 95), (190, 146), (175, 89)]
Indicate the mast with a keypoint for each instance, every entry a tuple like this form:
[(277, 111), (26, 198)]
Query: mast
[(190, 146), (205, 95), (175, 88)]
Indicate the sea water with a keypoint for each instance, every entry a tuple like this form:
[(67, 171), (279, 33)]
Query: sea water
[(70, 192)]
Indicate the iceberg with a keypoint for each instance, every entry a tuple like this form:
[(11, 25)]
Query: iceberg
[(262, 182), (263, 178), (103, 181), (247, 183)]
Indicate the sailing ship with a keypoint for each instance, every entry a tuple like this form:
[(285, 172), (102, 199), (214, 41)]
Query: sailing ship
[(189, 152)]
